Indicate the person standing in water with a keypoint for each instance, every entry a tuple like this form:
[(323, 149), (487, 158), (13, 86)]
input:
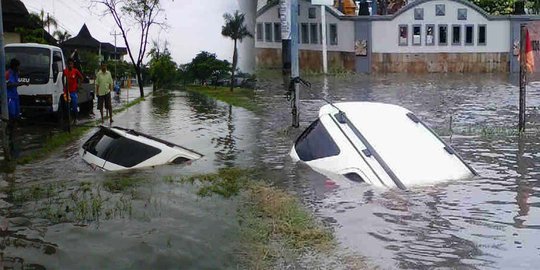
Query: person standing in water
[(104, 85)]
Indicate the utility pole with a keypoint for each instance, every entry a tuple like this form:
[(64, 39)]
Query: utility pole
[(115, 53), (285, 17), (48, 23), (522, 78), (295, 68), (3, 94)]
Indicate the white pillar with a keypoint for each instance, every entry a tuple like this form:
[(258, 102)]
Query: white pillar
[(324, 49)]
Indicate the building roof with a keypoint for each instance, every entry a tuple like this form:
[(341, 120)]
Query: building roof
[(83, 39), (14, 15), (109, 48)]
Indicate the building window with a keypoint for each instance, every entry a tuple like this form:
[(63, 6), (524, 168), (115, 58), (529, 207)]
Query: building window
[(259, 32), (268, 32), (443, 35), (482, 34), (333, 34), (305, 33), (312, 13), (440, 10), (320, 34), (430, 34), (469, 34), (277, 32), (417, 34), (314, 33), (403, 35), (462, 14), (418, 14), (456, 34)]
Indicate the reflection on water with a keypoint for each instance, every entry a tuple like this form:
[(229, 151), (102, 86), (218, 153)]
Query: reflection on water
[(60, 214), (490, 221)]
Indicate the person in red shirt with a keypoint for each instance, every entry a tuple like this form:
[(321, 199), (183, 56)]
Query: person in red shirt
[(71, 85)]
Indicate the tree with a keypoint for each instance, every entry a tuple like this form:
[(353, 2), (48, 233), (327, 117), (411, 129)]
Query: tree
[(205, 66), (144, 14), (496, 7), (48, 21), (236, 30), (163, 70), (61, 36)]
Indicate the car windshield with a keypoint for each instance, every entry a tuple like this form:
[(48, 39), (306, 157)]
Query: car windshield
[(119, 150), (35, 63)]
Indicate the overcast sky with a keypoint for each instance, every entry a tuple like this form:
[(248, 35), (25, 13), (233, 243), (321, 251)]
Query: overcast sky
[(195, 25)]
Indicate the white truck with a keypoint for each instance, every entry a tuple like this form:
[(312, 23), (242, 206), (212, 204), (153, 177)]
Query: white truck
[(42, 66)]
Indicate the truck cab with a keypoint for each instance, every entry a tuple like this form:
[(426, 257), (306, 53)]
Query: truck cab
[(42, 66)]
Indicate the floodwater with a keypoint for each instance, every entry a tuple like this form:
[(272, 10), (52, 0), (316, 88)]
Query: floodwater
[(60, 214)]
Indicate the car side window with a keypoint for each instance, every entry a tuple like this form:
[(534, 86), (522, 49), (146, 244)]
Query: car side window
[(316, 143), (57, 65)]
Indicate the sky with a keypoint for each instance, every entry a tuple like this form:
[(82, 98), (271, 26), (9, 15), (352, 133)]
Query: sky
[(194, 25)]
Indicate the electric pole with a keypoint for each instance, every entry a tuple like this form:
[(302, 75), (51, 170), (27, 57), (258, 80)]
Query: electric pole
[(295, 68), (115, 53)]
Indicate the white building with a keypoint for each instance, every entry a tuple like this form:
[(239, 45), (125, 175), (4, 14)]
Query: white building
[(424, 36)]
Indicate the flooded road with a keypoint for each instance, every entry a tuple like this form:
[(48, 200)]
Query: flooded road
[(60, 214), (492, 221)]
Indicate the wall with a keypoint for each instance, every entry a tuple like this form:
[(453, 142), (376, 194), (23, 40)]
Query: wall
[(440, 62), (11, 38), (385, 32), (309, 60), (345, 28)]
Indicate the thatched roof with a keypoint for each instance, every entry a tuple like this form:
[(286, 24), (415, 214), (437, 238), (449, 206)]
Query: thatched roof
[(83, 40)]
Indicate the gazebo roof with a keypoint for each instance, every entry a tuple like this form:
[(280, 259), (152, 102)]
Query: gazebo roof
[(83, 39)]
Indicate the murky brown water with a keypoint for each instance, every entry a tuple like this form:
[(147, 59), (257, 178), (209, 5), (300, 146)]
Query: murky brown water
[(59, 214)]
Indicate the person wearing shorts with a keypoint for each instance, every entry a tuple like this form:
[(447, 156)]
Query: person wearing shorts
[(104, 85)]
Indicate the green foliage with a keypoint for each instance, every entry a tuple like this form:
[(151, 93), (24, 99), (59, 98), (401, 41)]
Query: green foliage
[(499, 7), (31, 35), (89, 62), (204, 67), (162, 69), (235, 29), (61, 36), (123, 69), (241, 97)]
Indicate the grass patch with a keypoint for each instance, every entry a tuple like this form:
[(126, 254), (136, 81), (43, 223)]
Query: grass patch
[(58, 140), (240, 97), (271, 220), (53, 143), (121, 184)]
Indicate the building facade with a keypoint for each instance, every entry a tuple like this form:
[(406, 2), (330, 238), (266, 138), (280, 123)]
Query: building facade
[(340, 38), (423, 36)]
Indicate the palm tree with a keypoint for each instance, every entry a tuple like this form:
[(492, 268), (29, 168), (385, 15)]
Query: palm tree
[(235, 29), (61, 36), (48, 21)]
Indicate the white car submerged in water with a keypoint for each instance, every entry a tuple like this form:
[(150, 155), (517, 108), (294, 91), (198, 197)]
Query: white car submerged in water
[(381, 144), (117, 148)]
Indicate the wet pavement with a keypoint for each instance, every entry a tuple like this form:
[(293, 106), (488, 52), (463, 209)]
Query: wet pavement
[(60, 214)]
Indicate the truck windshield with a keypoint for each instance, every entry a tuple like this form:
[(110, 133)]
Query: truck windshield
[(35, 63)]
